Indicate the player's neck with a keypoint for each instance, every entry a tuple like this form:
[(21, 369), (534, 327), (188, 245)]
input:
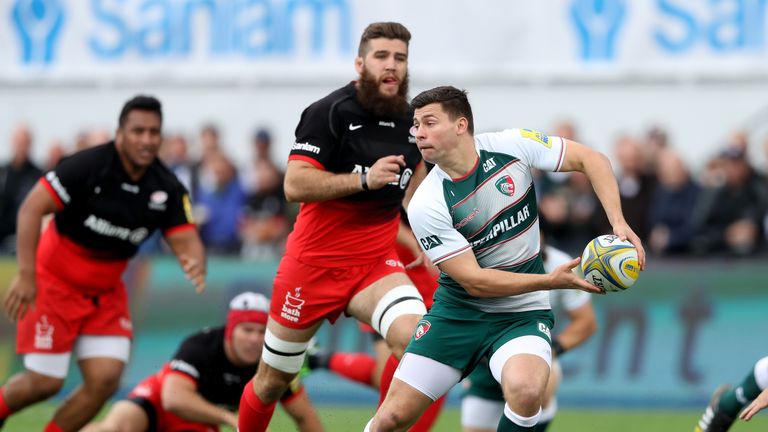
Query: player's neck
[(460, 162), (135, 172)]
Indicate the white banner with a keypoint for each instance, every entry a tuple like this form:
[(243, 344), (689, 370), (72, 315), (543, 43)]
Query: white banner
[(307, 40)]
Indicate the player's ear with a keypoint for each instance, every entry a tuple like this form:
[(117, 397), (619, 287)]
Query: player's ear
[(359, 65), (461, 125)]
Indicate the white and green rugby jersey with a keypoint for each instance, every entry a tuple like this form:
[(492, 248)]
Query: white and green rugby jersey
[(492, 211)]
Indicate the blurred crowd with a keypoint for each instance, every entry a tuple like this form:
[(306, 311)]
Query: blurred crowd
[(239, 207), (241, 210), (721, 210)]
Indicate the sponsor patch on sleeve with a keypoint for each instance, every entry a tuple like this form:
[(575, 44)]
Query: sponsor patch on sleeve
[(188, 209), (536, 136)]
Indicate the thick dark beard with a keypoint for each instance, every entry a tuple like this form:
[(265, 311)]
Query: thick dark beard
[(382, 106)]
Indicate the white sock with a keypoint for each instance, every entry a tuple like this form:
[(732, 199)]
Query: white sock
[(520, 420)]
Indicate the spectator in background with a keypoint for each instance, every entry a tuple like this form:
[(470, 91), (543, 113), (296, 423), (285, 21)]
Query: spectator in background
[(56, 152), (732, 214), (672, 206), (265, 223), (655, 142), (219, 204), (88, 138), (210, 145), (635, 185), (175, 154), (17, 178)]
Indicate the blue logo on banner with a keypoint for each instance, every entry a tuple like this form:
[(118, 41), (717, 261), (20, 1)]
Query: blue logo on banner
[(38, 23), (598, 23)]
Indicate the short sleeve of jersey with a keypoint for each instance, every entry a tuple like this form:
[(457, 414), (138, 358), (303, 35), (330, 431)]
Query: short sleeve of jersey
[(315, 142), (532, 147), (432, 224), (190, 359), (67, 179), (179, 213)]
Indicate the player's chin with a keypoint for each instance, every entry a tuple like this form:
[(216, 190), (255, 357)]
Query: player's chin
[(388, 90)]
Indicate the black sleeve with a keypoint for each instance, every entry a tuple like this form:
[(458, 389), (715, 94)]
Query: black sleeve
[(190, 358), (314, 135), (69, 179), (179, 209)]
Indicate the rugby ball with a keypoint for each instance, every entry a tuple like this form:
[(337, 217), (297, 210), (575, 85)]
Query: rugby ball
[(610, 263)]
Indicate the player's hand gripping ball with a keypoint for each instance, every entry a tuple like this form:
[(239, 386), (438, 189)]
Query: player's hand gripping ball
[(610, 263)]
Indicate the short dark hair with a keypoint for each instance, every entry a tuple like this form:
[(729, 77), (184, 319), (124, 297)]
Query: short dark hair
[(453, 101), (386, 30), (140, 103)]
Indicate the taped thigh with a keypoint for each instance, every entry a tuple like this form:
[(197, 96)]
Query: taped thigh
[(533, 345), (283, 355), (399, 301), (426, 375)]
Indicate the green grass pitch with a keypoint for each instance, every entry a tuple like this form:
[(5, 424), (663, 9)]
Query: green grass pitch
[(338, 419)]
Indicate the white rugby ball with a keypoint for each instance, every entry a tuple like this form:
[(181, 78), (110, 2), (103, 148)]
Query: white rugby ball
[(610, 263)]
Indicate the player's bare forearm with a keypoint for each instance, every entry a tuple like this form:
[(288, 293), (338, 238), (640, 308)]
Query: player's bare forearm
[(20, 296), (582, 325), (36, 205), (189, 249), (179, 397), (487, 283), (597, 168), (306, 183)]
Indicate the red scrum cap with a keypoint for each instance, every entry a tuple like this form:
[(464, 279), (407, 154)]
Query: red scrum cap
[(246, 307)]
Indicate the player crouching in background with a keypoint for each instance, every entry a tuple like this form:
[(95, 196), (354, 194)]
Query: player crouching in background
[(208, 371)]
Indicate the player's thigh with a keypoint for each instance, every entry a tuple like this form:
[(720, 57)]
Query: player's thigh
[(363, 303), (125, 416), (102, 372)]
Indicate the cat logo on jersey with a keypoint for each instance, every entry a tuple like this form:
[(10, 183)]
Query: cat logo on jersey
[(429, 242), (536, 136), (188, 209), (505, 185)]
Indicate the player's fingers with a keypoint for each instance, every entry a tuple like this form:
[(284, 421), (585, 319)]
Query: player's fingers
[(588, 287), (748, 412), (22, 311), (415, 263), (199, 285), (573, 263)]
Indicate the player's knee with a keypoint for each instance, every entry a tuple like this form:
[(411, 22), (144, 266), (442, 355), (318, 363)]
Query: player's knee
[(42, 387), (390, 420), (526, 399), (392, 309), (102, 386)]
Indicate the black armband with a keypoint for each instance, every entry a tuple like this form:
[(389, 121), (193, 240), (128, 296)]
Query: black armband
[(558, 348)]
